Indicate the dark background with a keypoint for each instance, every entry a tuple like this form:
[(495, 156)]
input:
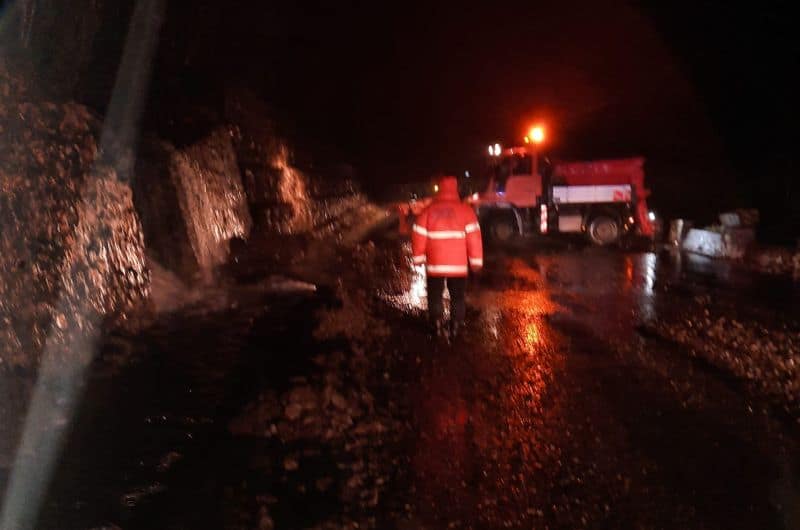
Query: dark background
[(703, 90)]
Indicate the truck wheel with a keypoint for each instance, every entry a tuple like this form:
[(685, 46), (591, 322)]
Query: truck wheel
[(603, 230), (501, 229)]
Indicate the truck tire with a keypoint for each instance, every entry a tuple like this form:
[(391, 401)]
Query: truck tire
[(604, 230), (501, 229)]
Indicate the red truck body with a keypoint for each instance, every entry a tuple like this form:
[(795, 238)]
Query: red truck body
[(604, 199), (628, 171)]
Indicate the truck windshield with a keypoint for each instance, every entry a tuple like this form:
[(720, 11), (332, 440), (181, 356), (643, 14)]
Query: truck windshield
[(509, 166)]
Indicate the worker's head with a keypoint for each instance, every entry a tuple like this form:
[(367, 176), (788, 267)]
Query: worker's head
[(448, 188)]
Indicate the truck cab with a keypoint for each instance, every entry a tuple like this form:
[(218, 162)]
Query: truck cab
[(513, 189), (513, 180), (525, 193)]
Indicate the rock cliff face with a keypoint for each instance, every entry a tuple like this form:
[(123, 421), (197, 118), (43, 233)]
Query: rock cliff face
[(284, 200), (71, 246), (76, 233)]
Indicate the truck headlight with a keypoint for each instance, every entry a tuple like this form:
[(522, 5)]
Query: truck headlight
[(651, 216)]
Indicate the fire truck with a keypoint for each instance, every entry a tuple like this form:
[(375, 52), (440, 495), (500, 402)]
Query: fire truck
[(606, 200)]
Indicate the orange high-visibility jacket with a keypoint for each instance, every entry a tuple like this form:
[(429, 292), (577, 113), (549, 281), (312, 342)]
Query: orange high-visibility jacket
[(446, 236)]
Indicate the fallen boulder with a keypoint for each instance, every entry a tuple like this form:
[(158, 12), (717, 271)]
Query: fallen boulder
[(192, 203)]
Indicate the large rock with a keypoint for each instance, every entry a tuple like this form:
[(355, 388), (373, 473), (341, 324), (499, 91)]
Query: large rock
[(728, 242), (192, 203), (277, 192), (284, 199), (71, 249)]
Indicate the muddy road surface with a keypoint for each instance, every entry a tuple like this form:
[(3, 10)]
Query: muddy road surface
[(593, 388)]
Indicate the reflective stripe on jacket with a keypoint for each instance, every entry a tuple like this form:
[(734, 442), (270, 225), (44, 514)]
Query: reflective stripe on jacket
[(446, 236)]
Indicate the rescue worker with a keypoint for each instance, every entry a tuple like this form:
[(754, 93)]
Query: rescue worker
[(446, 237)]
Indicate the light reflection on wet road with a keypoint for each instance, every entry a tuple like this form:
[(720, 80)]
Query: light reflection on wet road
[(554, 412)]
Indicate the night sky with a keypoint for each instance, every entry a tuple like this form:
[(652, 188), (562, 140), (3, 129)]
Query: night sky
[(405, 90), (401, 91)]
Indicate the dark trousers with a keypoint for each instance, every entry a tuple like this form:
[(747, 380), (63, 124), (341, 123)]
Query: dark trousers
[(457, 288)]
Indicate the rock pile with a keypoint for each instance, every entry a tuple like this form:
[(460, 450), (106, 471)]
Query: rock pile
[(776, 260), (340, 417), (339, 410), (768, 359)]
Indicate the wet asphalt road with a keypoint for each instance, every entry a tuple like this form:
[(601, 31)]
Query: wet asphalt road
[(555, 410), (601, 427), (558, 413)]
